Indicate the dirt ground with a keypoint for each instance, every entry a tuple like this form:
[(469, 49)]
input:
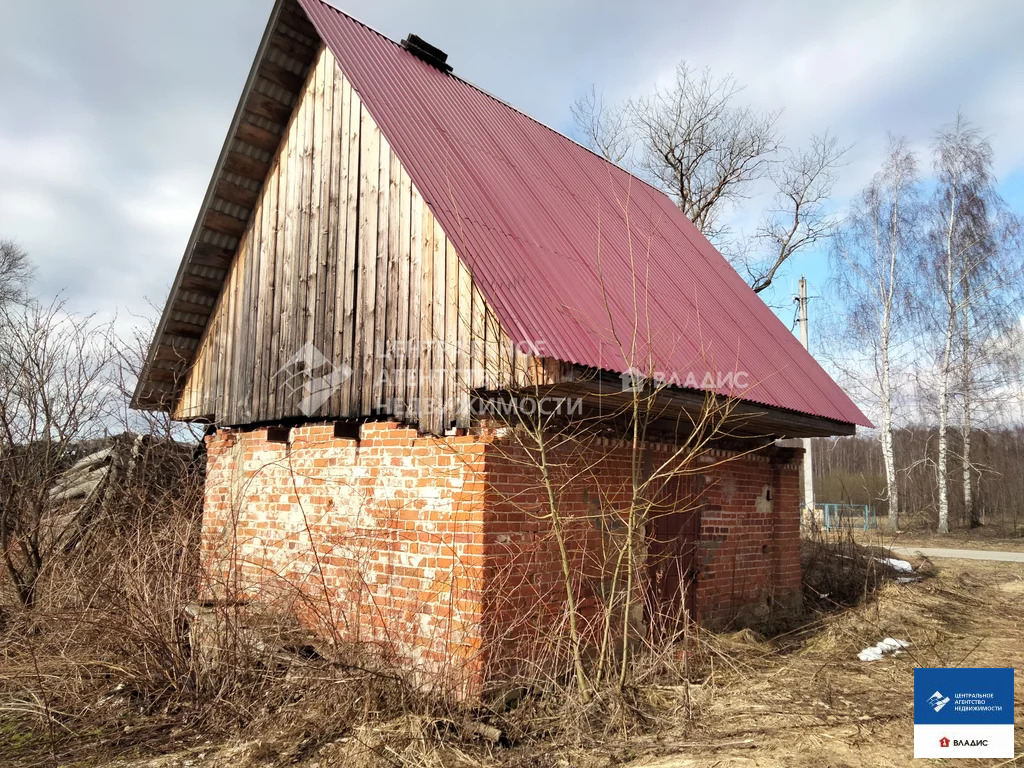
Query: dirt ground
[(987, 537), (821, 706), (800, 700)]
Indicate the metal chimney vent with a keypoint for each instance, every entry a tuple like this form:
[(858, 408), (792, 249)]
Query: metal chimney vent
[(421, 49)]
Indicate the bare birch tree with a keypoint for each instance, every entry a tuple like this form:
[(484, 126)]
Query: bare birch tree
[(971, 263), (962, 160), (872, 259), (989, 313)]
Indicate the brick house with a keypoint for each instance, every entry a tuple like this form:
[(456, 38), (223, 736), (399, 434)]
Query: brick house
[(391, 273)]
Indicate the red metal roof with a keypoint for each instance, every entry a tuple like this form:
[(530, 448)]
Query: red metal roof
[(572, 252)]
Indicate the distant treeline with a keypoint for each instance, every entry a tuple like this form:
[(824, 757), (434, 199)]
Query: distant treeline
[(851, 470)]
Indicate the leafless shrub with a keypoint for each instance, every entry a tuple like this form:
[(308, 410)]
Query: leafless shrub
[(52, 385), (837, 571), (117, 646)]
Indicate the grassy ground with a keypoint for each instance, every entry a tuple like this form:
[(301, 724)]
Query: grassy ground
[(818, 705), (802, 699)]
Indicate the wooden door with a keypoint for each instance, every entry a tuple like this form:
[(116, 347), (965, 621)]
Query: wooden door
[(674, 533)]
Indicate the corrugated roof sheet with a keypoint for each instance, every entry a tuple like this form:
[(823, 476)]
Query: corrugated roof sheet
[(572, 252)]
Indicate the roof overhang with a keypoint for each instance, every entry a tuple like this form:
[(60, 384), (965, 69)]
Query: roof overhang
[(673, 409), (286, 51)]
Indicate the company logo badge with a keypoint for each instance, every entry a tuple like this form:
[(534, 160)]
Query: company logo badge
[(633, 380), (962, 712), (938, 701)]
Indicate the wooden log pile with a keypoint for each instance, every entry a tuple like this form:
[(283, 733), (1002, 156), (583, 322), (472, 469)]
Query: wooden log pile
[(104, 477)]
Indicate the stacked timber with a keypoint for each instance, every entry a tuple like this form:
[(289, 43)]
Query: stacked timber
[(103, 478)]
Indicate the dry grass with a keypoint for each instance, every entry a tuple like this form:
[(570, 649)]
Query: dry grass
[(104, 672), (801, 699), (108, 661), (998, 538), (808, 701), (837, 571)]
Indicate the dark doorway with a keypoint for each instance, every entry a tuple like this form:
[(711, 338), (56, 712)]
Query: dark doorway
[(672, 555)]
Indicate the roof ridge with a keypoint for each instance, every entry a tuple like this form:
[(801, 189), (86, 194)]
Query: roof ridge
[(504, 103)]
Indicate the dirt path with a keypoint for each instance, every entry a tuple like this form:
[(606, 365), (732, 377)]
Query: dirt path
[(996, 540), (962, 554), (820, 706)]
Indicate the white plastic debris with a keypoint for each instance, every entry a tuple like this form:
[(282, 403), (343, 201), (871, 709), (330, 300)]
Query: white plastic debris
[(888, 645), (892, 644), (901, 566)]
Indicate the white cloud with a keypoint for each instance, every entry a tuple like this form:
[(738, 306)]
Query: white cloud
[(50, 159), (27, 208), (165, 206), (113, 120)]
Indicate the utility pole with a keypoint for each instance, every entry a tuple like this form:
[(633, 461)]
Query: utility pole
[(808, 468)]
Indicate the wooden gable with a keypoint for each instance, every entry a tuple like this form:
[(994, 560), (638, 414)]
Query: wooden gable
[(271, 91), (318, 283), (343, 279)]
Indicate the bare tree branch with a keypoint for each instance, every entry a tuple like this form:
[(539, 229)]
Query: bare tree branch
[(15, 273), (605, 129), (705, 149), (800, 217), (702, 148)]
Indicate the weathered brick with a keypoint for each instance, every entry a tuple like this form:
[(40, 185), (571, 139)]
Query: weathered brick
[(437, 546)]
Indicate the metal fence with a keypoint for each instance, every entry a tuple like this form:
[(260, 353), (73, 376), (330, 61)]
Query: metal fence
[(834, 517)]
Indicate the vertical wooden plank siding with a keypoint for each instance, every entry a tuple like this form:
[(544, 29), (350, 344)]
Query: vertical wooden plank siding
[(263, 291), (463, 344), (295, 317), (343, 253), (347, 403), (268, 382), (327, 205), (449, 360), (424, 351), (381, 300), (403, 330), (320, 166), (412, 353), (391, 298)]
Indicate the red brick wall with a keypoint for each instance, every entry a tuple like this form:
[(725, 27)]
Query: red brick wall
[(750, 545), (432, 546), (747, 559), (378, 540), (525, 594)]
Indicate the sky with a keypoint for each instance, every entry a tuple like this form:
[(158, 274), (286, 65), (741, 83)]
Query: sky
[(114, 111)]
